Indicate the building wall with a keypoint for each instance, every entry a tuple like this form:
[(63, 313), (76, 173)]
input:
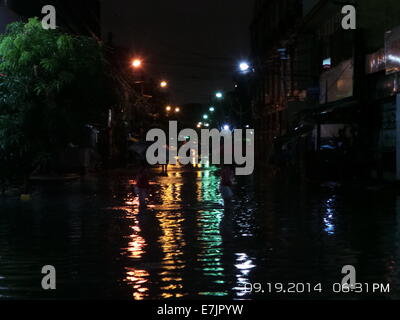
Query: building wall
[(273, 23), (375, 18), (294, 79)]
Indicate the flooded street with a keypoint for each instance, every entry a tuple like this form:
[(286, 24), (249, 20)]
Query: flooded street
[(186, 245)]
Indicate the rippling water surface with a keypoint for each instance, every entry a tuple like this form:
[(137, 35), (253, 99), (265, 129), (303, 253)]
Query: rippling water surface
[(186, 245)]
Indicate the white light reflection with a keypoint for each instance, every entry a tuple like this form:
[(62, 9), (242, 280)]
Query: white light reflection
[(244, 265), (329, 217)]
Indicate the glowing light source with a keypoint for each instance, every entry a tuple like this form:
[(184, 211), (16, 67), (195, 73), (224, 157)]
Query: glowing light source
[(164, 84), (137, 63), (212, 109), (327, 63), (219, 95), (244, 66), (177, 110), (205, 117), (394, 58), (226, 127), (168, 108)]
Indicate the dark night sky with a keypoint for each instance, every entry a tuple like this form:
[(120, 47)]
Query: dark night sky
[(196, 45)]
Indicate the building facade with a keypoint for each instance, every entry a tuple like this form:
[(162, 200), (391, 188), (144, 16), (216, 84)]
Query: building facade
[(273, 24), (331, 90)]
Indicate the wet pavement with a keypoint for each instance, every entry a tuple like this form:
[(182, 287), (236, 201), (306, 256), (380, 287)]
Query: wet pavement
[(187, 245)]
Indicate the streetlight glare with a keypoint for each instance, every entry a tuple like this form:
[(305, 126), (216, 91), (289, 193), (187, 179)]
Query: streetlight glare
[(137, 63), (205, 117), (244, 66), (219, 95), (168, 108), (212, 109), (164, 84), (177, 110)]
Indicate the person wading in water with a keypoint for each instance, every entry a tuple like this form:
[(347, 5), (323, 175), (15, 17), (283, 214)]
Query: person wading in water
[(225, 188), (142, 185)]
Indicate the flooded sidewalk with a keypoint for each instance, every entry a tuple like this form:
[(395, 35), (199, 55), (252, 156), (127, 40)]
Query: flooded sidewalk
[(278, 233)]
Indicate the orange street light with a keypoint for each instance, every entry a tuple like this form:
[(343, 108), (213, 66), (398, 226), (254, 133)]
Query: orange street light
[(164, 84), (168, 108), (137, 63)]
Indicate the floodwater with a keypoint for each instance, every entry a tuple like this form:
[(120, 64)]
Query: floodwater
[(278, 231)]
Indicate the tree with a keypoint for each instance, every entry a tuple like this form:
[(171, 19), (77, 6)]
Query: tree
[(51, 85)]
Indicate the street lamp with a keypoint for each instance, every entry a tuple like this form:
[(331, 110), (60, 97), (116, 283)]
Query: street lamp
[(205, 117), (177, 110), (137, 63), (164, 84), (219, 95), (244, 66), (168, 108), (212, 109)]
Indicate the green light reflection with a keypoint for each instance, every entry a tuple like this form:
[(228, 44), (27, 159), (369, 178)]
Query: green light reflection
[(209, 236)]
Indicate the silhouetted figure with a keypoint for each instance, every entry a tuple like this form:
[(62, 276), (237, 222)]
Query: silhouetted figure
[(225, 188), (142, 185), (164, 167)]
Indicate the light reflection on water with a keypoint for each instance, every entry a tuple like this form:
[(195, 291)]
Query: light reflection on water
[(209, 234), (186, 245), (136, 278), (172, 244), (244, 265), (211, 251), (329, 218)]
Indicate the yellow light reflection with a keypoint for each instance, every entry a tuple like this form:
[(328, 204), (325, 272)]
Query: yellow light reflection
[(172, 239), (244, 265), (137, 279)]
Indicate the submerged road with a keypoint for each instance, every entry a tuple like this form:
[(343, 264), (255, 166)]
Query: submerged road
[(186, 245)]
